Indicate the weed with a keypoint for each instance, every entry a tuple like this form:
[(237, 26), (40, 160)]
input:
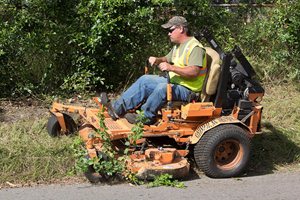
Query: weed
[(108, 162), (166, 180), (80, 154), (137, 129), (105, 163)]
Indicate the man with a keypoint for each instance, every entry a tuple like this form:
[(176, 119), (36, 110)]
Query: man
[(186, 66)]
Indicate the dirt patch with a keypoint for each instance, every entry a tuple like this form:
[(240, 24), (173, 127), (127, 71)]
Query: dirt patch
[(29, 109), (13, 111)]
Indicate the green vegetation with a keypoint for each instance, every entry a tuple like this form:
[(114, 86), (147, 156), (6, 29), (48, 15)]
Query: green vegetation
[(106, 163), (109, 162), (75, 47), (166, 180), (54, 47), (28, 154)]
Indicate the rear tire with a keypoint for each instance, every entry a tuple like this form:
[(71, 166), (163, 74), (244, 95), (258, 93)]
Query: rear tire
[(223, 151), (54, 128)]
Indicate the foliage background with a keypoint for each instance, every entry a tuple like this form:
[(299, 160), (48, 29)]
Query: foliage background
[(64, 46)]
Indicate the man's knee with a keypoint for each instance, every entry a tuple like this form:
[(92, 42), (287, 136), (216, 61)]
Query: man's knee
[(161, 90), (144, 78)]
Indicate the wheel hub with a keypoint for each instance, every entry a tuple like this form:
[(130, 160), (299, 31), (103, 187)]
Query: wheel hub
[(228, 153)]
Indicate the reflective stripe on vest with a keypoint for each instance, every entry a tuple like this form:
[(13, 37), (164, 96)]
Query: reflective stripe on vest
[(194, 84)]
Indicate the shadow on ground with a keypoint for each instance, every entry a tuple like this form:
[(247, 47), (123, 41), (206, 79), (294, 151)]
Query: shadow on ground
[(270, 149)]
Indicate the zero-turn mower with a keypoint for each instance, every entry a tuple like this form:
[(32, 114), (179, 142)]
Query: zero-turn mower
[(216, 129)]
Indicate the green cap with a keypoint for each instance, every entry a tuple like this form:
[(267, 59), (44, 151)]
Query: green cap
[(175, 21)]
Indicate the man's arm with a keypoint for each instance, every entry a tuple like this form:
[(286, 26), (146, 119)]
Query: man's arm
[(156, 60), (186, 72), (194, 65)]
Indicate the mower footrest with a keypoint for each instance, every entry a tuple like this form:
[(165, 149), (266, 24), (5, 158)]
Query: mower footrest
[(118, 125)]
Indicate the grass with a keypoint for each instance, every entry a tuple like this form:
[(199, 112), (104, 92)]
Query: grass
[(279, 145), (28, 154)]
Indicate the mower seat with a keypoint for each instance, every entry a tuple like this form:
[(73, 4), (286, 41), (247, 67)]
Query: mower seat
[(213, 73)]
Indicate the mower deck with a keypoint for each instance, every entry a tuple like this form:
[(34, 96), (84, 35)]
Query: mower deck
[(160, 161)]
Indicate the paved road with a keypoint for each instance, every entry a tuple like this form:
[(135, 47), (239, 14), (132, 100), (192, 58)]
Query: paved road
[(279, 186)]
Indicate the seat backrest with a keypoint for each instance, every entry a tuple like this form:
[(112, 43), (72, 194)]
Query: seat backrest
[(212, 76)]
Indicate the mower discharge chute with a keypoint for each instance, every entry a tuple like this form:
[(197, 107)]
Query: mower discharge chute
[(216, 130)]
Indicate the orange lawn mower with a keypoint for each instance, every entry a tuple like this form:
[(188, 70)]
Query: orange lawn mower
[(216, 129)]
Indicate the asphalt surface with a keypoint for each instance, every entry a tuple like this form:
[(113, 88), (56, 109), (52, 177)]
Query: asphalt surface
[(279, 186)]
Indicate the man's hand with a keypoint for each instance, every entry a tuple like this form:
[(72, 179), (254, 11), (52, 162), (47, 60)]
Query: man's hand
[(152, 60), (164, 66), (186, 72), (156, 60)]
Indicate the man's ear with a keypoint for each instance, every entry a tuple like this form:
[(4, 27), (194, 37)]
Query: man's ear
[(181, 29)]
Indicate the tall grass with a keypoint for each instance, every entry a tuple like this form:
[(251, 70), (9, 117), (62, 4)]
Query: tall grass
[(279, 145), (28, 154), (282, 107)]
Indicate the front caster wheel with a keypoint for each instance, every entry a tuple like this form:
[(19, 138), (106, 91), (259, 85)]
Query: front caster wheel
[(54, 128), (93, 176)]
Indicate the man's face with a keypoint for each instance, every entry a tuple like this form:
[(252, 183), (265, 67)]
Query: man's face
[(174, 33)]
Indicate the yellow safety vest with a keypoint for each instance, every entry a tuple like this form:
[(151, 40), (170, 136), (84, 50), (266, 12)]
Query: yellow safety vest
[(194, 84)]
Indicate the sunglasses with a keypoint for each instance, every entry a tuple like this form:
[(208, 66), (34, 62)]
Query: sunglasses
[(171, 30)]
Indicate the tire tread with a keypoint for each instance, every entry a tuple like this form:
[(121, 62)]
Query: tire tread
[(203, 149)]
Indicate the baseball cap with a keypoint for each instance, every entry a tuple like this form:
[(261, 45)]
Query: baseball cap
[(175, 21)]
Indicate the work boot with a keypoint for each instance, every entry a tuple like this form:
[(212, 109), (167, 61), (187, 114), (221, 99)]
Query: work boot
[(132, 119), (103, 99), (149, 122)]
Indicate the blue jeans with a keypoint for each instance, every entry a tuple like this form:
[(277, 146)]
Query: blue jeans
[(151, 90)]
